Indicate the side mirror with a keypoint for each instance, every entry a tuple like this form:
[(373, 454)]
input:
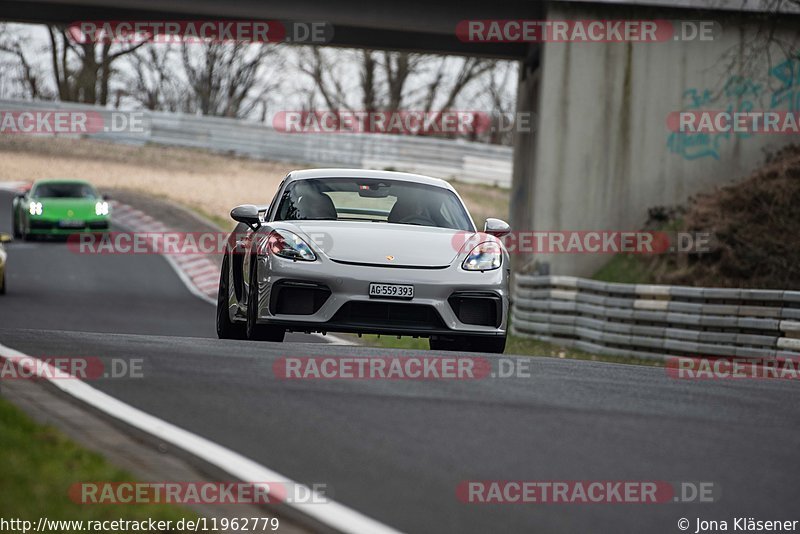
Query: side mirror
[(496, 227), (247, 214), (22, 194), (105, 197), (5, 238)]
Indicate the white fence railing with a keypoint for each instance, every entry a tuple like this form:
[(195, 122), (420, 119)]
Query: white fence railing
[(650, 321), (444, 158)]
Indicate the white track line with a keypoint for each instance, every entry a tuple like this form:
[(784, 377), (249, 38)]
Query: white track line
[(330, 513)]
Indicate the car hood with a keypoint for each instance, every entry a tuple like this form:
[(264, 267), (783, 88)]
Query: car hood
[(377, 243), (61, 207)]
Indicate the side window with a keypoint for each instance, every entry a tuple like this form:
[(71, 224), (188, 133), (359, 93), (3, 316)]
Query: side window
[(270, 215)]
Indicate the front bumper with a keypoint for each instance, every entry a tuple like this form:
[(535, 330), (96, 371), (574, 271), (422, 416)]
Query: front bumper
[(43, 226), (328, 296)]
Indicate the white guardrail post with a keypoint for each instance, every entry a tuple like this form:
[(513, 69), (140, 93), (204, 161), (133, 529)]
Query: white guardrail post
[(657, 322)]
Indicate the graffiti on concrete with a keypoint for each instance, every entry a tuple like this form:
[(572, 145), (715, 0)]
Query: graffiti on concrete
[(739, 94)]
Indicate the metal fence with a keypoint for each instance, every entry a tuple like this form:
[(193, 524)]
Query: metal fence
[(444, 158), (651, 321)]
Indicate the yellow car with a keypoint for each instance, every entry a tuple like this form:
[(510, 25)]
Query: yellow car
[(4, 238)]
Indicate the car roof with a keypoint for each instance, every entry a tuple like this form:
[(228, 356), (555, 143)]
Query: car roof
[(306, 174), (60, 181)]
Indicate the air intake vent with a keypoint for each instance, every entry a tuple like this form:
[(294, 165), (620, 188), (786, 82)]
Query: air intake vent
[(484, 309), (291, 297)]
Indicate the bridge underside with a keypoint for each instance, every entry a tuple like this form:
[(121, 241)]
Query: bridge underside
[(413, 25)]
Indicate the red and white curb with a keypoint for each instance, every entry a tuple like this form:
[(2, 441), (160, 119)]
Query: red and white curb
[(201, 271)]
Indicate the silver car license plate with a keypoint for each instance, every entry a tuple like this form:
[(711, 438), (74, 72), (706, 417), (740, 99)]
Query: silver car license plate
[(395, 291)]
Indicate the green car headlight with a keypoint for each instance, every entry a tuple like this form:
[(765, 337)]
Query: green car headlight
[(101, 208), (35, 208)]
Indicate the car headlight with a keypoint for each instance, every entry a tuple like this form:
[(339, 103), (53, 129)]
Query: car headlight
[(35, 208), (484, 257), (288, 245), (101, 208)]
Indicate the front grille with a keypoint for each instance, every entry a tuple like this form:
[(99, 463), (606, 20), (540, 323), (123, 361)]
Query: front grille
[(71, 225), (98, 225), (389, 314), (483, 309), (294, 297), (41, 225)]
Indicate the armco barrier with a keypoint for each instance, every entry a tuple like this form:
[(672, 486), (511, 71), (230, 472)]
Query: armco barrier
[(444, 158), (655, 322)]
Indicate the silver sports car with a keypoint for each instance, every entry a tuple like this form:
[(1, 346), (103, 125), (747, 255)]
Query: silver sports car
[(374, 252)]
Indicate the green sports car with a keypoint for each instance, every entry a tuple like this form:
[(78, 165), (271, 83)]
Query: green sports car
[(59, 207)]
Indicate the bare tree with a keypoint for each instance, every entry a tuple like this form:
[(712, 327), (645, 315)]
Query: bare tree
[(502, 102), (26, 78), (151, 81), (326, 73), (230, 79), (388, 81), (83, 69)]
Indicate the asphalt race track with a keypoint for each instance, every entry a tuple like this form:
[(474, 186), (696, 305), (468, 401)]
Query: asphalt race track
[(396, 450)]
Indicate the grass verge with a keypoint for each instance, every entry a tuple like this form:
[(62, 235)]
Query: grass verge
[(39, 466), (625, 269)]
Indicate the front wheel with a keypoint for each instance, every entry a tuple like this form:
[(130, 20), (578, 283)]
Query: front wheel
[(226, 329), (3, 284), (255, 331)]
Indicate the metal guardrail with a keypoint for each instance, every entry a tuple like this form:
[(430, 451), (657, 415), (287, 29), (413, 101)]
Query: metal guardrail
[(657, 322), (444, 158)]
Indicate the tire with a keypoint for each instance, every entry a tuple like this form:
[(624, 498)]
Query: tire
[(226, 329), (491, 344), (259, 332), (3, 284)]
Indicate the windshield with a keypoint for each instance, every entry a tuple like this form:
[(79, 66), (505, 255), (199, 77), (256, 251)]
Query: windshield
[(375, 200), (64, 190)]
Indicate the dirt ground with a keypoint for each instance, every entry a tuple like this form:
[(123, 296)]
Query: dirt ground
[(211, 184)]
